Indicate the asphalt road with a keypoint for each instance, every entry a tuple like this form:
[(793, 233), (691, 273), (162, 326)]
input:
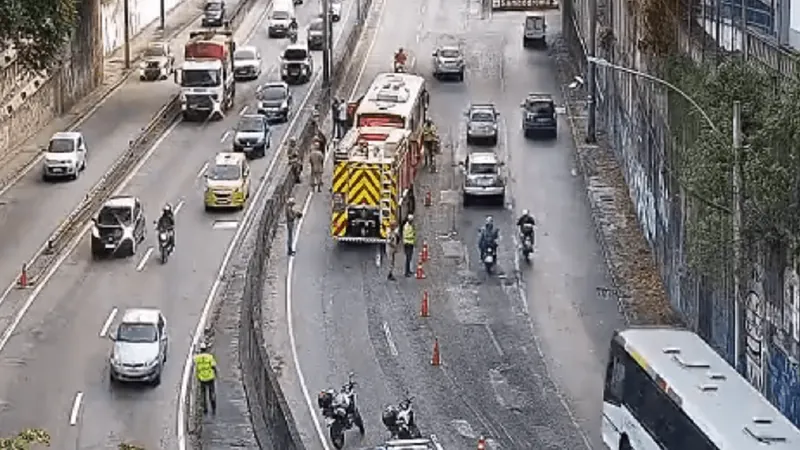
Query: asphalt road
[(58, 352), (512, 343)]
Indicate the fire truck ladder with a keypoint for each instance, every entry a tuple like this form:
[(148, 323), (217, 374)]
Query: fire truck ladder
[(386, 193)]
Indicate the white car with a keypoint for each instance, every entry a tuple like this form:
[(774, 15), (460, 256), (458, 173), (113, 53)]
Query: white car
[(247, 64), (65, 156), (140, 347), (336, 10)]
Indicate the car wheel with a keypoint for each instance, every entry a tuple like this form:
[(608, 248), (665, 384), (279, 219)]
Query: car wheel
[(74, 176), (465, 200), (493, 141), (111, 379), (132, 251), (501, 200), (469, 140), (461, 76), (157, 379)]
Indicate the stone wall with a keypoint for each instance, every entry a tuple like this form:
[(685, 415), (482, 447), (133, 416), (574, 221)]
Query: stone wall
[(143, 12)]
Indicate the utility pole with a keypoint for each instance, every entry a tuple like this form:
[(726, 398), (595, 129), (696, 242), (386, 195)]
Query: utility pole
[(127, 23), (358, 11), (737, 231), (591, 128), (743, 30), (163, 17), (326, 48)]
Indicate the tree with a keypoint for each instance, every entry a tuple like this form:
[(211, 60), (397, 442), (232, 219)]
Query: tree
[(37, 29), (25, 440)]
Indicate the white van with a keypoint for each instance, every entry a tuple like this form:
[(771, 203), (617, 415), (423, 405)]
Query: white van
[(280, 18), (535, 30)]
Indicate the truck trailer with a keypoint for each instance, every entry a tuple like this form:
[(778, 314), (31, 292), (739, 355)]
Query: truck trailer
[(206, 77)]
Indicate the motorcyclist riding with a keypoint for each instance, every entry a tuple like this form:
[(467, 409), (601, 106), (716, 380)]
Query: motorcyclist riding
[(293, 29), (488, 237), (400, 58), (167, 223), (526, 219)]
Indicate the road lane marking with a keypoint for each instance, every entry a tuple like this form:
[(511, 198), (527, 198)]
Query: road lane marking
[(143, 261), (179, 206), (107, 324), (198, 332), (389, 340), (378, 252), (495, 342), (243, 111), (225, 136), (76, 409), (202, 170), (72, 246), (290, 270), (225, 224)]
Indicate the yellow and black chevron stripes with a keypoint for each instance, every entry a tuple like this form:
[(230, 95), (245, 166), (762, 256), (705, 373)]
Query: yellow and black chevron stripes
[(339, 181), (338, 202), (339, 224), (386, 224), (364, 184)]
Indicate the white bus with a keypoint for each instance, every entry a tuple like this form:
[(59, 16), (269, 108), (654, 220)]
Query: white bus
[(666, 389)]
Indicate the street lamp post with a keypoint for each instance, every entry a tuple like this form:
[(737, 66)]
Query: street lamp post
[(736, 194)]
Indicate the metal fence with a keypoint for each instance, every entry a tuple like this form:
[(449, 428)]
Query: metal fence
[(635, 116)]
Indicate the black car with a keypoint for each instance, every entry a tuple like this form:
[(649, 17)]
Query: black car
[(482, 124), (539, 115), (297, 64), (275, 101), (315, 36), (213, 14), (119, 227), (252, 136)]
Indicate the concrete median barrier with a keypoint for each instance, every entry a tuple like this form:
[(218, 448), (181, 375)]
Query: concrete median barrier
[(271, 417)]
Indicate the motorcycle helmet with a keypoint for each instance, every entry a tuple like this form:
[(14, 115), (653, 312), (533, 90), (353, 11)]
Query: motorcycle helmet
[(525, 212), (167, 208), (389, 416)]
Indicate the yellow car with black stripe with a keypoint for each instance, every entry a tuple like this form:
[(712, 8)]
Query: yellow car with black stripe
[(227, 182)]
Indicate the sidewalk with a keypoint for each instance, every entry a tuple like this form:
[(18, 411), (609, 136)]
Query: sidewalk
[(114, 75)]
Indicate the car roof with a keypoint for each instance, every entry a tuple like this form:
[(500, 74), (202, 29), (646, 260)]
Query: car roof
[(539, 96), (269, 84), (534, 14), (450, 47), (296, 46), (250, 116), (482, 107), (246, 48), (66, 135), (121, 201), (228, 158), (141, 315), (483, 158)]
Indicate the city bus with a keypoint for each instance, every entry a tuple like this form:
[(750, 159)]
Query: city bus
[(666, 389)]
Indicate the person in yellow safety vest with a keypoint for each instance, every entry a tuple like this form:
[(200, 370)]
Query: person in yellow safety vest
[(205, 368), (430, 139), (409, 240)]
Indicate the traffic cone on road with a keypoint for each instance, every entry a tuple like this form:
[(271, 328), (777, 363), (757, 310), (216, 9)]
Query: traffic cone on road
[(22, 282), (420, 271), (481, 443), (435, 360), (425, 256), (423, 309), (428, 200)]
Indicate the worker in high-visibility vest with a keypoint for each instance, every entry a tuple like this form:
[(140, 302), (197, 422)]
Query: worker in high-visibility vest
[(205, 368), (409, 240)]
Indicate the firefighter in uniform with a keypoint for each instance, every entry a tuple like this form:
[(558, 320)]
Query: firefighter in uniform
[(316, 160), (431, 139), (392, 246), (295, 165), (409, 240), (205, 368)]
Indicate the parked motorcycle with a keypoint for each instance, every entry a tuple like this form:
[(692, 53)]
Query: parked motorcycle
[(527, 241), (341, 411), (400, 420)]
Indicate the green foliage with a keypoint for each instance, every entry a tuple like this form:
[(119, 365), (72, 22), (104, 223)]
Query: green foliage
[(770, 162), (25, 440), (37, 29)]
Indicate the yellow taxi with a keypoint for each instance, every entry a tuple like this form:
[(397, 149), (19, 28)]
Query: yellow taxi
[(227, 181)]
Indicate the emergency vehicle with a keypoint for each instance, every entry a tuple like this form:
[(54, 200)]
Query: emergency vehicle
[(376, 163)]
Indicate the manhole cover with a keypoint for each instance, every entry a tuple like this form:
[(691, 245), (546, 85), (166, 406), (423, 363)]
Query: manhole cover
[(452, 249)]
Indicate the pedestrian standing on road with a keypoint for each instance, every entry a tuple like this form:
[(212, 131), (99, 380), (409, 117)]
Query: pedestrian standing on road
[(409, 240), (295, 165), (205, 369), (392, 246), (342, 118), (316, 160), (291, 218), (335, 117)]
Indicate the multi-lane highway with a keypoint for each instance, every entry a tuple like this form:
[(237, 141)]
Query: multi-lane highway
[(55, 367), (523, 351)]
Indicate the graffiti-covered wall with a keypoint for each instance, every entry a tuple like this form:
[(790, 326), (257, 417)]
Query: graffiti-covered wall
[(635, 115)]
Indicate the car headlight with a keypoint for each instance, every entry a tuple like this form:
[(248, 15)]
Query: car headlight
[(114, 360), (285, 104), (143, 65), (494, 126), (151, 364), (95, 232)]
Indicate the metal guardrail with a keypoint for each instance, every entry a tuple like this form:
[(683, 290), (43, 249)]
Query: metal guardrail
[(523, 5)]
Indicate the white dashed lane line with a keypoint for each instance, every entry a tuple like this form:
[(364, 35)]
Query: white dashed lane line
[(107, 324)]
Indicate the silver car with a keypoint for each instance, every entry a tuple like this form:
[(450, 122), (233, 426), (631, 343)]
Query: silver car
[(140, 347), (483, 178), (247, 63), (448, 61), (482, 124)]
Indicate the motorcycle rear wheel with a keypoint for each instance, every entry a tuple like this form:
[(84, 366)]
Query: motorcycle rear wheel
[(337, 435), (359, 422)]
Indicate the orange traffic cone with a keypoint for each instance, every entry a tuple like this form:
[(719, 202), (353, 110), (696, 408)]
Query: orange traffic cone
[(23, 277), (435, 360), (428, 200), (425, 256), (481, 443), (423, 309), (420, 271)]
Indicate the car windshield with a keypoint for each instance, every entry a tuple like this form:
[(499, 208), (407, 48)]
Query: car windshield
[(316, 25), (272, 93), (213, 6), (280, 15), (482, 116), (483, 169), (539, 107), (61, 146), (138, 333), (250, 125), (294, 54), (225, 172), (114, 216), (448, 53), (244, 55), (200, 78), (154, 51)]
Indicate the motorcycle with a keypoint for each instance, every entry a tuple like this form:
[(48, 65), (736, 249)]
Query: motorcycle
[(164, 244), (341, 411), (400, 421), (489, 259), (293, 35), (527, 241)]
